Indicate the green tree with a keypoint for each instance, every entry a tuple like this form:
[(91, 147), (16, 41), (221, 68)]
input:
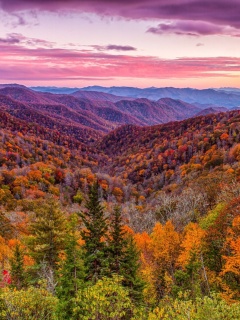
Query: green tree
[(17, 269), (107, 299), (71, 273), (130, 271), (117, 242), (209, 308), (47, 240), (124, 257), (31, 304), (94, 234)]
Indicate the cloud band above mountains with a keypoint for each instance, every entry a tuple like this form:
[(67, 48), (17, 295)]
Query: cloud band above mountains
[(53, 63), (214, 11), (213, 17)]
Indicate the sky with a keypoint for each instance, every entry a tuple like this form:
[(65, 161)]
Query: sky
[(144, 43)]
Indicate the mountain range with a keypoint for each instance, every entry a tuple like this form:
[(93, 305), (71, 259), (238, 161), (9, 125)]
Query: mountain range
[(223, 97), (88, 115)]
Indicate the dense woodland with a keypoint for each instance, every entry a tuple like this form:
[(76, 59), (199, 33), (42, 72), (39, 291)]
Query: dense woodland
[(141, 223)]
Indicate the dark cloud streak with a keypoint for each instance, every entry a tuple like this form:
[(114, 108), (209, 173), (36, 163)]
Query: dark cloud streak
[(114, 47), (193, 28), (215, 11)]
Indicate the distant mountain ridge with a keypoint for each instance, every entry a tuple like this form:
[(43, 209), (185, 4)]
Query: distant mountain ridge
[(88, 115), (205, 96), (220, 97)]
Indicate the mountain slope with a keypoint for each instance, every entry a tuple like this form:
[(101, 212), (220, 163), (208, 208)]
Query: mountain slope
[(95, 115), (160, 155), (49, 120)]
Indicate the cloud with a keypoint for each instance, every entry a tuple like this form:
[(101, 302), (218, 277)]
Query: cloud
[(10, 39), (42, 64), (114, 47), (17, 38), (215, 11), (193, 28)]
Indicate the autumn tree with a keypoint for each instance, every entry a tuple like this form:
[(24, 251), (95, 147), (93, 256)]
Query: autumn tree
[(6, 228), (165, 246), (191, 261), (231, 269)]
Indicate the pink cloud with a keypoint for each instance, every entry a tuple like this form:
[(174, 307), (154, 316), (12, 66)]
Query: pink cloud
[(21, 63)]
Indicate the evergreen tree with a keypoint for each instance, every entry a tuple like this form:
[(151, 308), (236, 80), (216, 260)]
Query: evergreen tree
[(96, 228), (124, 257), (117, 242), (130, 271), (47, 241), (17, 269), (71, 273)]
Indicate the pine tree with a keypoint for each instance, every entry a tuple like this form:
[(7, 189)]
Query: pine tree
[(47, 241), (71, 274), (130, 269), (17, 269), (124, 257), (96, 228), (117, 242)]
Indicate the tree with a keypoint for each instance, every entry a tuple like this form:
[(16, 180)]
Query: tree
[(6, 228), (130, 270), (17, 268), (47, 240), (107, 299), (94, 235), (231, 268), (71, 273), (124, 257), (210, 308), (33, 303), (191, 260), (117, 242), (165, 246)]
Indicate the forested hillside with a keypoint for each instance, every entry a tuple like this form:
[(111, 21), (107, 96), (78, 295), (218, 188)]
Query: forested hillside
[(138, 223)]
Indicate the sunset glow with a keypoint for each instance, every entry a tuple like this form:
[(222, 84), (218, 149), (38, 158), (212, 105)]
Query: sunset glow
[(185, 43)]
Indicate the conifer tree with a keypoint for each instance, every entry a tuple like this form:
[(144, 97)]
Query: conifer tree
[(130, 271), (117, 242), (94, 233), (47, 241), (17, 269), (124, 257), (71, 274)]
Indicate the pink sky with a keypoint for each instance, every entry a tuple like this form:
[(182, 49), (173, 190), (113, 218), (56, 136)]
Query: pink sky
[(181, 43)]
